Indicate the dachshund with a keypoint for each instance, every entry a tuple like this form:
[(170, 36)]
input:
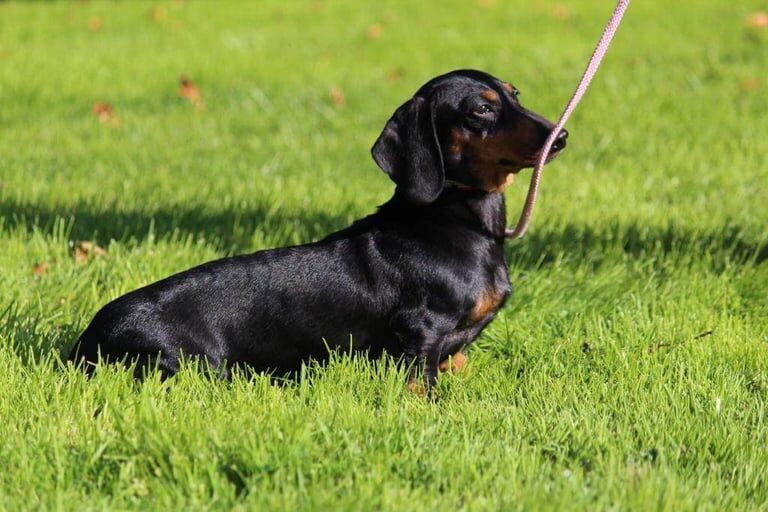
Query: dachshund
[(419, 279)]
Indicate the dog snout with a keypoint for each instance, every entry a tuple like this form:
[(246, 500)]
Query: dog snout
[(560, 141)]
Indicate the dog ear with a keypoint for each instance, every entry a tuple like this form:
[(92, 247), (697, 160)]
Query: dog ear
[(409, 152)]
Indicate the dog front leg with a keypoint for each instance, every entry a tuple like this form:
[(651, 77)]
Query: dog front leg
[(423, 369), (459, 341), (421, 335)]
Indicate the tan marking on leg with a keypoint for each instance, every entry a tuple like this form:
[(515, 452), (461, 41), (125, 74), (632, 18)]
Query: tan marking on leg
[(454, 363), (417, 387)]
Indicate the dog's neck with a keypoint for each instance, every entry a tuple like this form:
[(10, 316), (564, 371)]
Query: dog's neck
[(486, 208), (484, 212), (481, 212)]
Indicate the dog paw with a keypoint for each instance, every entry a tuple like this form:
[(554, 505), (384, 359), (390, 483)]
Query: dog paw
[(454, 363), (417, 387)]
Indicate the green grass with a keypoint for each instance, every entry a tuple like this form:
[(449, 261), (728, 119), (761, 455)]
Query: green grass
[(596, 387)]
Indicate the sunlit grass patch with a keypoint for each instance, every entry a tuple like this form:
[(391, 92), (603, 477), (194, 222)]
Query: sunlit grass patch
[(628, 370)]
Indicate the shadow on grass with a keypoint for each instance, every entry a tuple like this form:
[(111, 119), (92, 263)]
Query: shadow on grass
[(718, 248), (34, 339), (229, 229), (233, 230)]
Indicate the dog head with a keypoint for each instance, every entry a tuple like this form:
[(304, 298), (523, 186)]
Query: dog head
[(465, 126)]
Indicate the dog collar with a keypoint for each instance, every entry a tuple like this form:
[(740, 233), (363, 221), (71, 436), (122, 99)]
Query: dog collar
[(460, 186)]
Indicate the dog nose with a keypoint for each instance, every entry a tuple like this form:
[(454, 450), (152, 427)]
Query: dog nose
[(560, 140)]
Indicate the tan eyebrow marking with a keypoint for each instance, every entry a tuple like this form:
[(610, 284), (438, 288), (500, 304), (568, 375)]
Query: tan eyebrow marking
[(508, 87), (490, 95)]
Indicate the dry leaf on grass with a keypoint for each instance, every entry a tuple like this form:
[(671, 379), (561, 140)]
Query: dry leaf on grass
[(83, 250), (189, 91), (374, 31), (395, 75), (105, 113), (40, 268), (337, 97), (758, 19), (749, 85), (95, 23), (561, 12), (158, 14)]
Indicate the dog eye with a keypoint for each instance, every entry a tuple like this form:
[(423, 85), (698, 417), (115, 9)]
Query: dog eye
[(483, 110)]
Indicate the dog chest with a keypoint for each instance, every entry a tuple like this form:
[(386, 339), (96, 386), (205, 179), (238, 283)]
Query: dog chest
[(487, 303)]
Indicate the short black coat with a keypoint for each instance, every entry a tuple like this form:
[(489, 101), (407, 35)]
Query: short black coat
[(419, 278)]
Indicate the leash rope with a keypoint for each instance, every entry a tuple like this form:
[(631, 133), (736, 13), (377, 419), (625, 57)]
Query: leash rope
[(586, 78)]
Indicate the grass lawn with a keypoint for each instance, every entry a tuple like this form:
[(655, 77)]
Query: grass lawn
[(628, 371)]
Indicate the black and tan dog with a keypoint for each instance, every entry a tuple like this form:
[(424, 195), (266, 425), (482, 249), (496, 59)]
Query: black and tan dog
[(420, 278)]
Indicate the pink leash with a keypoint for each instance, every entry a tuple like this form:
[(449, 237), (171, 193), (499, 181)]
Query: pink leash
[(586, 78)]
